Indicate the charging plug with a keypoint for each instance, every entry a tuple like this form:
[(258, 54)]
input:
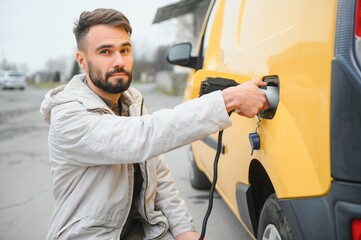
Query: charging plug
[(271, 90), (272, 94), (214, 84)]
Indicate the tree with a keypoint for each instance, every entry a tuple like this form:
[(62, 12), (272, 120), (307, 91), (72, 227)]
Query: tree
[(75, 69), (160, 62), (56, 76), (5, 65)]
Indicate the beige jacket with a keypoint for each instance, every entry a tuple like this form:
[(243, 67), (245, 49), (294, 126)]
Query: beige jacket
[(91, 153)]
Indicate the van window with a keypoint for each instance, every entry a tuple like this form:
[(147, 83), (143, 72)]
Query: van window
[(208, 30)]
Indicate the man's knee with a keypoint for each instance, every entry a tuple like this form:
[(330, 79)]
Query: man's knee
[(167, 236), (137, 233)]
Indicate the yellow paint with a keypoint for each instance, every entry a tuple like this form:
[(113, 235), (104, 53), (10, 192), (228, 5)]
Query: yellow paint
[(291, 39)]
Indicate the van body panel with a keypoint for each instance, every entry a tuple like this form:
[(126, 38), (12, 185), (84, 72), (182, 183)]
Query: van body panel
[(310, 151), (331, 213), (280, 42), (346, 91), (346, 126)]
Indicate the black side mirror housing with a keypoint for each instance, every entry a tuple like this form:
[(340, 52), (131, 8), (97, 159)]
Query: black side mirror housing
[(180, 54)]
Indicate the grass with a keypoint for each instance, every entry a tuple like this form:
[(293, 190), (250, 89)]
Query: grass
[(45, 84)]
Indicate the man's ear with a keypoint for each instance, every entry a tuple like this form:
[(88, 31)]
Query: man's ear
[(80, 57)]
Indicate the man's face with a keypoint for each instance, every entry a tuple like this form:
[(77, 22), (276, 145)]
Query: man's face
[(108, 58)]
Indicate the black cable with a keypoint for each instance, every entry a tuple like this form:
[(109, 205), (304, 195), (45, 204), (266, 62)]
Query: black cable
[(213, 185)]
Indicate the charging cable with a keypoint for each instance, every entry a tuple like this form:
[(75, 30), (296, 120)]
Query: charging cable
[(214, 182), (213, 185), (272, 93)]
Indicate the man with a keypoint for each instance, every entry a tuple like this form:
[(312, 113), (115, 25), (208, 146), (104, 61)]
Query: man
[(109, 182)]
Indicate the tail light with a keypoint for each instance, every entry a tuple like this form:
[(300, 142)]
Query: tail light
[(357, 30), (358, 19), (356, 229)]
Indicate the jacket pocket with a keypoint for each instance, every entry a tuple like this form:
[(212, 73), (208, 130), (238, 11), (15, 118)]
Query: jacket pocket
[(90, 228), (155, 231)]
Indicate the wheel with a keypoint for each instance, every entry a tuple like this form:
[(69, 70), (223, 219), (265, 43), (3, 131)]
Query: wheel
[(273, 223), (197, 178)]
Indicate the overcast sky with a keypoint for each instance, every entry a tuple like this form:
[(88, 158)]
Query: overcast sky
[(34, 31)]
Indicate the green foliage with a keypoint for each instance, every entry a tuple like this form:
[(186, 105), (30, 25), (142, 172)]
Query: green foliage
[(56, 76), (75, 69)]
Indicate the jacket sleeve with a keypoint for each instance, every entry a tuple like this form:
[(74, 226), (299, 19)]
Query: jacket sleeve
[(170, 203), (82, 138)]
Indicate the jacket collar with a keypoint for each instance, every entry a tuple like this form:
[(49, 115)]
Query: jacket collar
[(77, 90)]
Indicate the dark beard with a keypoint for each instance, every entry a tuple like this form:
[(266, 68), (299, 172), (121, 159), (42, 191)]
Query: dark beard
[(120, 86)]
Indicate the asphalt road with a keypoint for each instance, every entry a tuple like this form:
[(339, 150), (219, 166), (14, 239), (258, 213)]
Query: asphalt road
[(26, 202)]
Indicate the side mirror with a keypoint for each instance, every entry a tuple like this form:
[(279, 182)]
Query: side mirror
[(180, 54)]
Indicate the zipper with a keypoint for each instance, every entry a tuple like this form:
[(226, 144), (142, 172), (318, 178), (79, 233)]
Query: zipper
[(106, 111), (146, 188), (131, 201), (163, 233), (145, 191), (145, 204)]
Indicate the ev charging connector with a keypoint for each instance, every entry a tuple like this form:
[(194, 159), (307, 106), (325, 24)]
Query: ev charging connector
[(212, 84), (271, 90)]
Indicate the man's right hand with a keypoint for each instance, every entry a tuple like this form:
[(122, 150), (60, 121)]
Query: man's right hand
[(247, 99)]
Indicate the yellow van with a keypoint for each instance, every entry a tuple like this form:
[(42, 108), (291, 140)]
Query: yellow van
[(304, 181)]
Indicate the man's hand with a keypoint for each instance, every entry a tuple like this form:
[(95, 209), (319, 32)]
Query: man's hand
[(189, 236), (247, 99)]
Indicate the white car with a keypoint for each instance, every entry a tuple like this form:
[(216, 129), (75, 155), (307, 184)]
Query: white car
[(2, 76), (12, 80)]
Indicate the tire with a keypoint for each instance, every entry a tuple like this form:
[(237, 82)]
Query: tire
[(273, 223), (197, 178)]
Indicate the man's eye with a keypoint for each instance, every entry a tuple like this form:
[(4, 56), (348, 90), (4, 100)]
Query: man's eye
[(105, 51), (125, 50)]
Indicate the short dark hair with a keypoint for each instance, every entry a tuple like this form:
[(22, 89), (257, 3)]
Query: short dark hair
[(100, 16)]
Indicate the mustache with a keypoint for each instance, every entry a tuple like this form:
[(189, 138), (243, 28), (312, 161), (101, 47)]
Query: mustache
[(117, 70)]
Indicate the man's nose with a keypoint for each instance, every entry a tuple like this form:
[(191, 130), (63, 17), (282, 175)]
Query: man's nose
[(118, 60)]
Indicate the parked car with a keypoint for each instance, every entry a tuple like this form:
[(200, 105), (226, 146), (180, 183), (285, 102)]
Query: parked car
[(304, 181), (13, 80), (2, 76)]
